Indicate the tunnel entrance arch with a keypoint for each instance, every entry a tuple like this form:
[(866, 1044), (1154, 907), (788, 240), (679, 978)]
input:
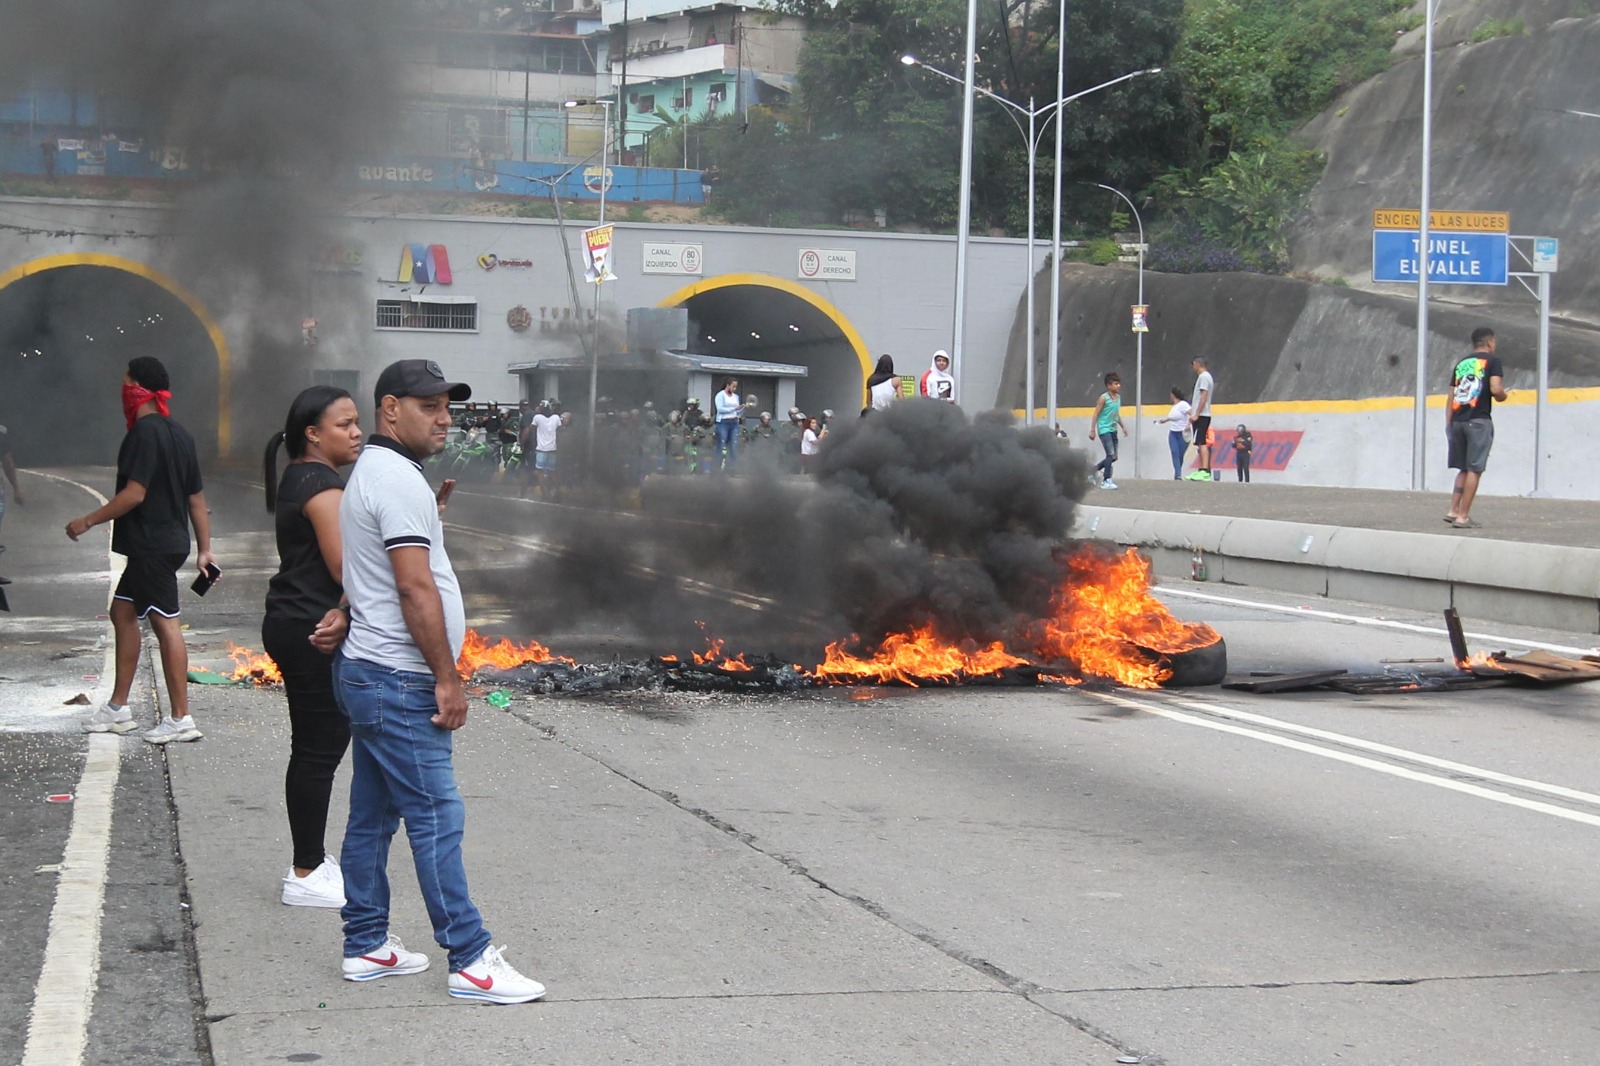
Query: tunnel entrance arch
[(68, 326), (763, 317)]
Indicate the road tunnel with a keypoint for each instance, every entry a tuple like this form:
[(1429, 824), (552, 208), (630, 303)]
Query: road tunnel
[(68, 326), (756, 316)]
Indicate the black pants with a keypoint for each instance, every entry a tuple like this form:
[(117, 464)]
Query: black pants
[(1242, 463), (318, 734)]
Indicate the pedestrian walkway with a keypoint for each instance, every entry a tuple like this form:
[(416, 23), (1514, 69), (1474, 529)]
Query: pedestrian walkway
[(1571, 523)]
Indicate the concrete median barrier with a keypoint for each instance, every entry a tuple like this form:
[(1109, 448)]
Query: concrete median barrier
[(1545, 585)]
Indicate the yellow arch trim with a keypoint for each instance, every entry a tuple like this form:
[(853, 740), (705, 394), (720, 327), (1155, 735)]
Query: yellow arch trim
[(133, 266), (770, 281)]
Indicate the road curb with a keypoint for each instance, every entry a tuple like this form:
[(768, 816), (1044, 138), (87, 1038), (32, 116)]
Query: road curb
[(1546, 585)]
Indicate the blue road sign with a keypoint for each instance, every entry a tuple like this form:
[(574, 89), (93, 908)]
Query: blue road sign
[(1453, 258)]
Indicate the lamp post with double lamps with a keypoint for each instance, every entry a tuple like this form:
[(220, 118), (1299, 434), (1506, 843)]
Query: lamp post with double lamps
[(605, 148), (1138, 344), (1031, 135)]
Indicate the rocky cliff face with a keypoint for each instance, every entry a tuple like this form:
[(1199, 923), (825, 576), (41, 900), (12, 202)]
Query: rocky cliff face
[(1271, 339), (1503, 140)]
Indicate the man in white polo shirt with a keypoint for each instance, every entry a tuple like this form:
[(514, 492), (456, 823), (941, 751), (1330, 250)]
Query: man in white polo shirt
[(395, 679)]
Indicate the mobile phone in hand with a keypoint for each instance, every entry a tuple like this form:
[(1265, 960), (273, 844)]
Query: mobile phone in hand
[(443, 496), (202, 584)]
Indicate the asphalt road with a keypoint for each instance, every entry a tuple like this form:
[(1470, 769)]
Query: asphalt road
[(977, 875)]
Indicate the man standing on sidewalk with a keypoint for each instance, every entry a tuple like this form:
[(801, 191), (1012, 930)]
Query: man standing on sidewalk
[(158, 497), (395, 679), (1200, 419), (1475, 385)]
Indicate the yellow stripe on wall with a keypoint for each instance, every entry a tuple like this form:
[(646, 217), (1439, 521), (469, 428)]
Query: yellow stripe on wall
[(1516, 398)]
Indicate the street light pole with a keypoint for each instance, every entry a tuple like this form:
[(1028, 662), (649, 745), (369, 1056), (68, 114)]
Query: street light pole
[(964, 214), (1027, 417), (1138, 357), (1054, 366), (1419, 413), (1050, 111)]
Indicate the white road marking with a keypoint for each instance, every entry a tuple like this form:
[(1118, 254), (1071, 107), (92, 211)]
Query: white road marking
[(1373, 764), (58, 1023), (1383, 623)]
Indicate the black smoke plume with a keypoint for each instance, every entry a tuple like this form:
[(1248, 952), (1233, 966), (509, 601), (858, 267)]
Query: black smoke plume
[(263, 103), (917, 515)]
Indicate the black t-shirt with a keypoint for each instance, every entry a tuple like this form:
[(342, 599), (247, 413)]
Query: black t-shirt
[(302, 590), (1469, 386), (160, 455)]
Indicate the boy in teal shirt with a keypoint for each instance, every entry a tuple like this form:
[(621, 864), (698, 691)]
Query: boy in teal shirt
[(1107, 422)]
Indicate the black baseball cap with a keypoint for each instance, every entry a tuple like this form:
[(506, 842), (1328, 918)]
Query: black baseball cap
[(417, 377)]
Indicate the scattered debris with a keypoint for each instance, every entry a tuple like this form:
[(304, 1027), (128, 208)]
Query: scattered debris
[(1467, 671), (1263, 683), (59, 797), (80, 700)]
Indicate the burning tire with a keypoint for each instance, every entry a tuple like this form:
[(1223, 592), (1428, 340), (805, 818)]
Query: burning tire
[(1205, 665)]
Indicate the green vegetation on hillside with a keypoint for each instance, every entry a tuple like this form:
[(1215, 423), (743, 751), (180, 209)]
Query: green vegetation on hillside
[(1202, 147)]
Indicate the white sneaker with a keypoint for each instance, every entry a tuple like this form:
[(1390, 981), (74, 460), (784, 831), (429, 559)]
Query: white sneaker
[(174, 731), (391, 960), (490, 979), (1108, 484), (111, 719), (322, 887)]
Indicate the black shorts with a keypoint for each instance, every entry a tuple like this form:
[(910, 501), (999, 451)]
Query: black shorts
[(1202, 426), (150, 583)]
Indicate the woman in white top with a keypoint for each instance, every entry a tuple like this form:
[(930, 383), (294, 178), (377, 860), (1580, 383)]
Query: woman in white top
[(811, 444), (1177, 423)]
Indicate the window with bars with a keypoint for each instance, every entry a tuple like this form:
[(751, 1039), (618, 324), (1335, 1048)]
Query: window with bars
[(404, 314)]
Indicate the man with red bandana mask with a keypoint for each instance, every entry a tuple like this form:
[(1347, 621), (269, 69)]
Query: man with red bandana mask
[(158, 496)]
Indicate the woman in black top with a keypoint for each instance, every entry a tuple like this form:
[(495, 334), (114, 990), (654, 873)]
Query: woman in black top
[(305, 622)]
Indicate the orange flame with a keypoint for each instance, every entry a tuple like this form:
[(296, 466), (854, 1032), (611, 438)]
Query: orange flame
[(1103, 614), (1480, 660), (251, 665), (477, 653), (714, 650), (910, 658)]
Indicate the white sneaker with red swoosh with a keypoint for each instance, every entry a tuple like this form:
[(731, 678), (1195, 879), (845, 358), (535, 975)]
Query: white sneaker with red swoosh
[(391, 960), (490, 979)]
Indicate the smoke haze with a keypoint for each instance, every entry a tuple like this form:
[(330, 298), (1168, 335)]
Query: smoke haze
[(264, 99)]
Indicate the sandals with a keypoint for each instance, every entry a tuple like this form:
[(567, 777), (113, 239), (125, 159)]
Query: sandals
[(1465, 523)]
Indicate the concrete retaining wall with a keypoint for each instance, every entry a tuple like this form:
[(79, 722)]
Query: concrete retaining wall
[(1492, 580)]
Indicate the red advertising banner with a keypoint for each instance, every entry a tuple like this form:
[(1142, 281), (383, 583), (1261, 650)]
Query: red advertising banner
[(1272, 451)]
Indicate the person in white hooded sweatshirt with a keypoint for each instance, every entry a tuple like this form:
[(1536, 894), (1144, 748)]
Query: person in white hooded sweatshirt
[(938, 382)]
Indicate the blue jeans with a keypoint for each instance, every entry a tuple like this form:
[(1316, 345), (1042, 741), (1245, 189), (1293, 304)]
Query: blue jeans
[(727, 442), (1108, 441), (1179, 448), (401, 768)]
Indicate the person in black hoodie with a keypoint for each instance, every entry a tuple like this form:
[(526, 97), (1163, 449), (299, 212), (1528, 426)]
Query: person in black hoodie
[(1243, 445), (882, 386)]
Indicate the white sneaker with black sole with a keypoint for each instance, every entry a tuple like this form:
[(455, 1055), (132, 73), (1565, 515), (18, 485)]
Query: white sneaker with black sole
[(111, 719), (322, 887), (174, 731), (491, 979), (390, 960)]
